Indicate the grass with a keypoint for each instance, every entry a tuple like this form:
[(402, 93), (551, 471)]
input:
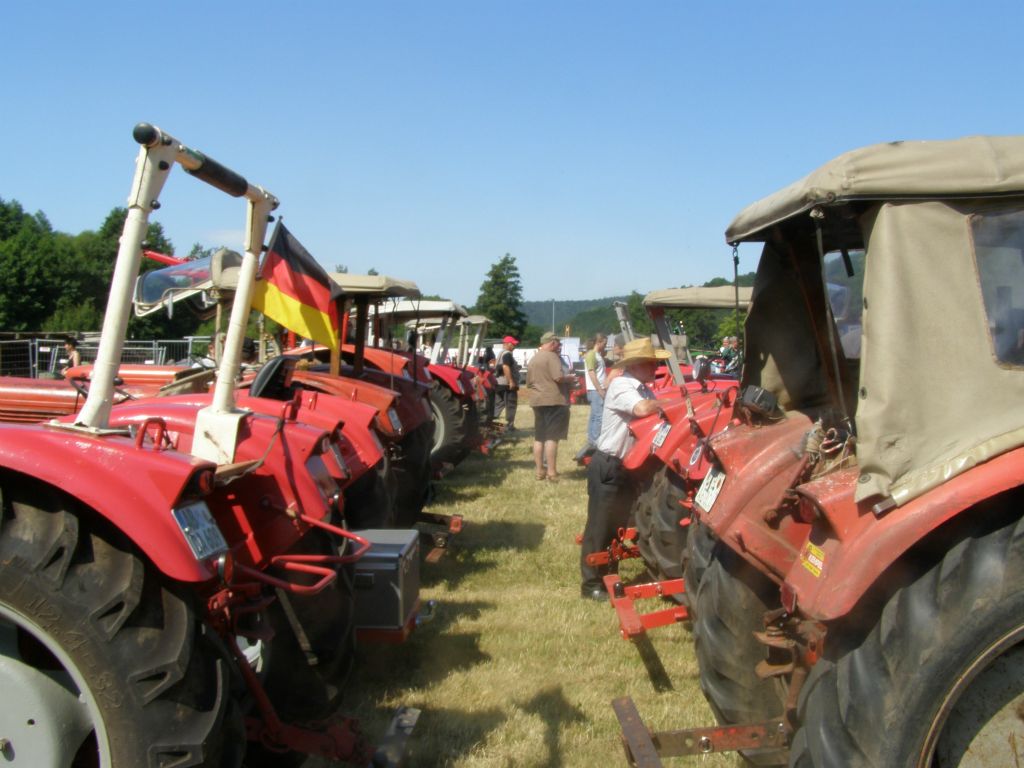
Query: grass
[(516, 669)]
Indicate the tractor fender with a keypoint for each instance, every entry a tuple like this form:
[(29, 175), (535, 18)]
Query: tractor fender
[(377, 397), (850, 548), (450, 377), (134, 488), (677, 447), (645, 429)]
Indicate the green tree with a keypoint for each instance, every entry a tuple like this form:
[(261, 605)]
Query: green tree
[(26, 268), (501, 298), (642, 324)]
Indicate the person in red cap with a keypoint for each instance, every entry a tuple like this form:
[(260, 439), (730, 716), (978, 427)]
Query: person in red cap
[(507, 371)]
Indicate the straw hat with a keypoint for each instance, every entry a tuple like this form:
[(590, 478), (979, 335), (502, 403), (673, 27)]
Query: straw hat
[(640, 351)]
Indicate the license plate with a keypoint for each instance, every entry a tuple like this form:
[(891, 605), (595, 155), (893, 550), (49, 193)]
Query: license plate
[(659, 439), (200, 530), (709, 489)]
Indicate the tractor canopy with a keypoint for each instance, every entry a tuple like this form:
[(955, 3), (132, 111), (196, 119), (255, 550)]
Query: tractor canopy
[(697, 297), (890, 291)]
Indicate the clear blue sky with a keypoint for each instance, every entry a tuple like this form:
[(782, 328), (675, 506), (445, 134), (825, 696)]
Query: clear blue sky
[(605, 145)]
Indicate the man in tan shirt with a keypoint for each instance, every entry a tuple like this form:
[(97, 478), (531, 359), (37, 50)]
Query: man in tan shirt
[(547, 383)]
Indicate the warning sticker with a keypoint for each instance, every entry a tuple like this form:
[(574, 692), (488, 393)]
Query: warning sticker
[(812, 558)]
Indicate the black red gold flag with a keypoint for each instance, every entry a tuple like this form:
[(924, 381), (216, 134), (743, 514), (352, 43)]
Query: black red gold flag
[(296, 291)]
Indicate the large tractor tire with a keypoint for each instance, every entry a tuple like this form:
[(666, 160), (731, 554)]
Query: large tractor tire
[(103, 661), (449, 426), (370, 502), (413, 475), (700, 543), (306, 656), (657, 512), (939, 680), (731, 601)]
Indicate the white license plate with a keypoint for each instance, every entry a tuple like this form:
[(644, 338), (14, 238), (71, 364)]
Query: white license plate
[(709, 489), (659, 439), (200, 530)]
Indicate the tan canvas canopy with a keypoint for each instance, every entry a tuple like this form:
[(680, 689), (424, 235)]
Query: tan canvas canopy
[(375, 285), (424, 309), (930, 392), (977, 165), (717, 297)]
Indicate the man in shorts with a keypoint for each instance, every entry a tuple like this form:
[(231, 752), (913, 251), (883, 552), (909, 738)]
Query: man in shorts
[(547, 384)]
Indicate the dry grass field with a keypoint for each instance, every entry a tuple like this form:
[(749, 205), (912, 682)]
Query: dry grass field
[(516, 669)]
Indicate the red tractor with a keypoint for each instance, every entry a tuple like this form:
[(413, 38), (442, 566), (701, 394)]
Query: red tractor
[(457, 397), (863, 597), (396, 490), (668, 455), (176, 576)]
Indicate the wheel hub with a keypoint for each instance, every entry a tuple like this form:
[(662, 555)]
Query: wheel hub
[(44, 720)]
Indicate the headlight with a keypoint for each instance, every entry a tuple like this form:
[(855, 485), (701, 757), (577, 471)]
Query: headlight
[(459, 387)]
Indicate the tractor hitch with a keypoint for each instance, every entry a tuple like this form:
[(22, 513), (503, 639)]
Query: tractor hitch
[(623, 547), (440, 529), (632, 623), (645, 748)]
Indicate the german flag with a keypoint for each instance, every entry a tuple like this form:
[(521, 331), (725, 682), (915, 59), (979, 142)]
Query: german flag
[(294, 290)]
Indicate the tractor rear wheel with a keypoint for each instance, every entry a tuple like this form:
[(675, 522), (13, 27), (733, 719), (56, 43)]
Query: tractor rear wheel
[(370, 501), (939, 679), (413, 475), (449, 425), (657, 512), (700, 543), (732, 598), (103, 661)]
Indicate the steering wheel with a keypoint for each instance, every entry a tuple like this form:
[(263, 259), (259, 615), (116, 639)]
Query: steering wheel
[(273, 378), (81, 385)]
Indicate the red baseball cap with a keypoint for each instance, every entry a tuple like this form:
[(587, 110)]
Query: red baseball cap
[(510, 340)]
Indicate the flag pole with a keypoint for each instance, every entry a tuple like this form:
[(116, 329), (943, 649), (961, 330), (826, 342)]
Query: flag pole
[(336, 350)]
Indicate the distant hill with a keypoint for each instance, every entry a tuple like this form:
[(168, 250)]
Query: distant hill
[(539, 312)]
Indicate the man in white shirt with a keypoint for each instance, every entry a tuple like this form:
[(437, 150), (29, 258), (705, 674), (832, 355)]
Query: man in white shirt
[(610, 488), (594, 363)]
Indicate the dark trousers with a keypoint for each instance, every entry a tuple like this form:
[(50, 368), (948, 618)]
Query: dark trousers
[(610, 492), (508, 401)]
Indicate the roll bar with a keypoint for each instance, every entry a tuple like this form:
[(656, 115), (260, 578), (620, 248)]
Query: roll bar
[(158, 153)]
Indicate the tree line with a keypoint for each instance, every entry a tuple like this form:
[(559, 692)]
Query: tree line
[(500, 299), (55, 282)]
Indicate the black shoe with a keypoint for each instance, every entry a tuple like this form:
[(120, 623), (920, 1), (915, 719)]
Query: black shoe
[(597, 593)]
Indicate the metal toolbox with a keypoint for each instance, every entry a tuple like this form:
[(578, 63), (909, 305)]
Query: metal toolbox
[(387, 581)]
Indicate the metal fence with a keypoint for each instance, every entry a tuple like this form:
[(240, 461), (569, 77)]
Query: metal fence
[(44, 357)]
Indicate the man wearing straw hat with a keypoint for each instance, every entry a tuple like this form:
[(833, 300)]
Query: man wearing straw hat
[(610, 489)]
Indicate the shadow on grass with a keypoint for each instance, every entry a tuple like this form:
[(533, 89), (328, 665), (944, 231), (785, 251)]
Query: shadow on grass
[(457, 564), (502, 535), (445, 613), (470, 553), (453, 734), (551, 706), (448, 735), (415, 665)]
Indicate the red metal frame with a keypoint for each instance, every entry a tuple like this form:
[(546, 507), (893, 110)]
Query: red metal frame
[(623, 599)]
